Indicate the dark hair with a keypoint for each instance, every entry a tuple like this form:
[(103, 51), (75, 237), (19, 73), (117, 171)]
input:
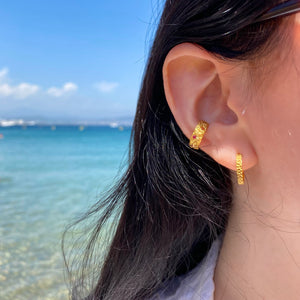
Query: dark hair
[(173, 201)]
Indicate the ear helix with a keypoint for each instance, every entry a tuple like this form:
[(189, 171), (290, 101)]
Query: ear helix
[(198, 135)]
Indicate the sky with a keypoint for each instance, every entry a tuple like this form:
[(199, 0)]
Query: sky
[(73, 60)]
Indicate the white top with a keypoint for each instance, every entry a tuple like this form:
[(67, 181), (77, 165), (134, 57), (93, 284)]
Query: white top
[(197, 284)]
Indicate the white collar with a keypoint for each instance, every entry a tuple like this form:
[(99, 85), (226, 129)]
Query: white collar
[(197, 284)]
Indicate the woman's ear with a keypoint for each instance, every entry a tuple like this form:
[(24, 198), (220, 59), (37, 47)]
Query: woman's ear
[(200, 86)]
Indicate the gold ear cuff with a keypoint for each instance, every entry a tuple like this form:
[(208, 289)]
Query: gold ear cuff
[(198, 135), (239, 169)]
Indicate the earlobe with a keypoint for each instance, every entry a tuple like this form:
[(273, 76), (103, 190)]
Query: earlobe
[(198, 86)]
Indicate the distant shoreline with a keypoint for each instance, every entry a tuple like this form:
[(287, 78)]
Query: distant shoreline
[(23, 123)]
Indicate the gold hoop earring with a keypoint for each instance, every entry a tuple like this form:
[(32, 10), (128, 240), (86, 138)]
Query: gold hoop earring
[(198, 135), (239, 169)]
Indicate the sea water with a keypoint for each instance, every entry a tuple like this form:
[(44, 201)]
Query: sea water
[(48, 176)]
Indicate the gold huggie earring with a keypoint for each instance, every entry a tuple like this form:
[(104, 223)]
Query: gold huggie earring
[(239, 169), (198, 135)]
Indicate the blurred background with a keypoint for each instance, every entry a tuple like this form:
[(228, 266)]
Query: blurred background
[(70, 73)]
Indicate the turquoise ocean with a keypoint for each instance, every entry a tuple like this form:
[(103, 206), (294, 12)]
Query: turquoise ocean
[(48, 177)]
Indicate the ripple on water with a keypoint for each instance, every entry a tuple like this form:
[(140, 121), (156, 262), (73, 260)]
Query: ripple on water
[(46, 179)]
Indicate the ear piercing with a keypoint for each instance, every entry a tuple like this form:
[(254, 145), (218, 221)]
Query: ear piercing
[(239, 169), (196, 140), (198, 135)]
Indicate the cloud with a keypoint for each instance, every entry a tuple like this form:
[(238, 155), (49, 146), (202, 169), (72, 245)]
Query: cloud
[(64, 90), (20, 91), (3, 73), (106, 87), (25, 90)]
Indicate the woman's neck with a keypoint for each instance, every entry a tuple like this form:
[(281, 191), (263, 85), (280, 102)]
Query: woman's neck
[(260, 255)]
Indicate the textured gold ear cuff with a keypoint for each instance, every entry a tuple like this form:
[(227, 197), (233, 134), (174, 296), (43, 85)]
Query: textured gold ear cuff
[(239, 169), (198, 135)]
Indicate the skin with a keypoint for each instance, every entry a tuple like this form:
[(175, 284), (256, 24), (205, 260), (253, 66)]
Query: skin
[(253, 108)]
